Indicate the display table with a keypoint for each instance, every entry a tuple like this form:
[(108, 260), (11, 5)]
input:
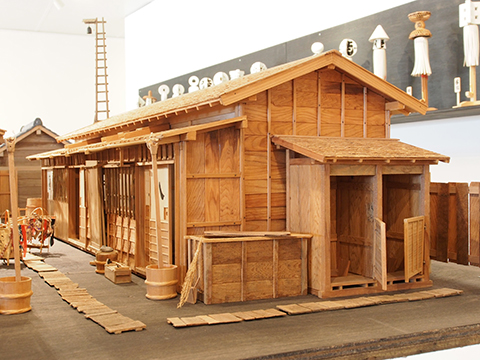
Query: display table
[(243, 268)]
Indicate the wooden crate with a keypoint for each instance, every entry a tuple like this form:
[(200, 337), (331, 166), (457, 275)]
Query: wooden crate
[(117, 273), (251, 268)]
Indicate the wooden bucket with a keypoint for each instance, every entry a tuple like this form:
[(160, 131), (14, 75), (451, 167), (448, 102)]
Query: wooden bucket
[(101, 259), (32, 204), (15, 296), (161, 282)]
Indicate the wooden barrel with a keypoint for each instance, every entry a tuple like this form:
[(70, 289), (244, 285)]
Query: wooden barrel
[(32, 204), (15, 296), (101, 259), (161, 282)]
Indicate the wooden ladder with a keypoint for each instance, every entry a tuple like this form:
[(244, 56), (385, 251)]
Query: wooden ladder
[(101, 83)]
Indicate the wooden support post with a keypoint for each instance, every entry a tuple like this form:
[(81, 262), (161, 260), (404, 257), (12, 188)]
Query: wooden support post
[(152, 144), (473, 84), (365, 113), (342, 114), (319, 104), (10, 142), (269, 160), (425, 89), (425, 209)]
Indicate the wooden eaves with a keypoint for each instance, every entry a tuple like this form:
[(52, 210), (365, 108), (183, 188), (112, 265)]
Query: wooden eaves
[(242, 88), (163, 137), (357, 150)]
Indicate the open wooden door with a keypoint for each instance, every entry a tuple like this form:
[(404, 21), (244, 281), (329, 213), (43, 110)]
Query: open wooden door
[(164, 187), (380, 254), (413, 243)]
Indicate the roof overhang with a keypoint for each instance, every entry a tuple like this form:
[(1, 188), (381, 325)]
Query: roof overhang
[(328, 150), (236, 90), (139, 137), (400, 101)]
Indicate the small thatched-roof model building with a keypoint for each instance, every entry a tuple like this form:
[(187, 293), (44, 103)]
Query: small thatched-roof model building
[(302, 148)]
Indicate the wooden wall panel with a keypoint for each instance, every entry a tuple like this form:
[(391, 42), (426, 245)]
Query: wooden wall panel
[(439, 202), (4, 191), (213, 182), (401, 200), (354, 214), (474, 228)]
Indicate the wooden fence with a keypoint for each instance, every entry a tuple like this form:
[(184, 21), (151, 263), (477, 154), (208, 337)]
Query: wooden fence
[(455, 222)]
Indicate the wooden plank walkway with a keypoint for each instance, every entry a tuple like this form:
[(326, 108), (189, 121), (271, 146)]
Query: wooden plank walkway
[(80, 299), (309, 307)]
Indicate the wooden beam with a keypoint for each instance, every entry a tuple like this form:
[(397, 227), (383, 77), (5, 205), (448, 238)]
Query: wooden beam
[(365, 111), (319, 104), (342, 108), (394, 106), (269, 160), (352, 170)]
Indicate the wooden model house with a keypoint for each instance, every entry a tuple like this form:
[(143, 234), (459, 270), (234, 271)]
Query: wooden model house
[(303, 147), (31, 139)]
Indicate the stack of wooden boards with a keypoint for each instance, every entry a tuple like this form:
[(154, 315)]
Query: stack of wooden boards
[(80, 299), (310, 307)]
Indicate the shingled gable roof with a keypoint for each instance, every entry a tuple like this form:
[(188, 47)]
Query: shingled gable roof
[(359, 150), (29, 129), (238, 89)]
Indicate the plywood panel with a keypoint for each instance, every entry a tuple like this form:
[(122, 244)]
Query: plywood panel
[(282, 128), (255, 290), (376, 132), (256, 142), (226, 273), (474, 254), (289, 269), (289, 250), (330, 75), (222, 293), (229, 161), (307, 99), (229, 199), (257, 271), (255, 186), (308, 129), (306, 114), (260, 200), (256, 127), (212, 200), (278, 165), (256, 225), (212, 154), (375, 117), (196, 200), (288, 286), (375, 102), (226, 253), (255, 165), (196, 155)]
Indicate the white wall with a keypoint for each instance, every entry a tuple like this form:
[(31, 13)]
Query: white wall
[(456, 138), (52, 76)]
